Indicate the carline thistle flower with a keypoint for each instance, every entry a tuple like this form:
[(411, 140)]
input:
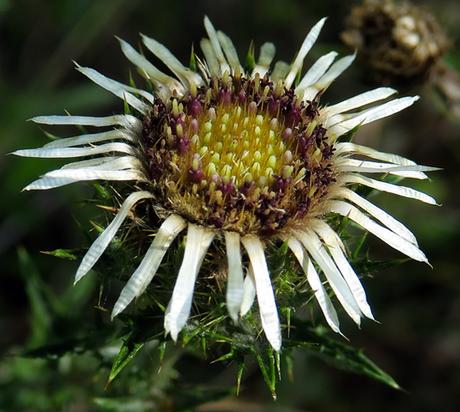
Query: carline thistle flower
[(244, 158)]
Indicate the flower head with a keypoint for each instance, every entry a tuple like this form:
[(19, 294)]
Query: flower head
[(244, 158)]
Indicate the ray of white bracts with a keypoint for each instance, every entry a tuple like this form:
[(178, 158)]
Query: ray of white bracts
[(321, 295), (317, 250), (116, 158), (122, 168), (393, 239), (147, 269)]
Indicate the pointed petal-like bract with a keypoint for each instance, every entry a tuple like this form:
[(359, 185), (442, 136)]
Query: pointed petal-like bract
[(326, 80), (91, 139), (88, 174), (353, 148), (147, 269), (96, 161), (58, 178), (388, 187), (47, 182), (230, 52), (235, 289), (249, 292), (360, 100), (104, 239), (315, 72), (165, 84), (125, 120), (67, 152), (373, 114), (389, 237), (363, 166), (196, 246), (389, 221), (117, 88), (211, 59), (107, 163), (212, 34), (187, 77), (307, 44), (264, 290), (315, 283)]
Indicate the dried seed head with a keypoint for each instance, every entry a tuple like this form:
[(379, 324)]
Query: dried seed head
[(399, 41)]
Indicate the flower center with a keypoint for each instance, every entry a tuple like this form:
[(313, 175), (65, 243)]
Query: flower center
[(240, 154), (235, 145)]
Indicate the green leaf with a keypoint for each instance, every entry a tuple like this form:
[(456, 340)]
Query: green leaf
[(339, 354), (354, 360), (127, 353), (62, 253)]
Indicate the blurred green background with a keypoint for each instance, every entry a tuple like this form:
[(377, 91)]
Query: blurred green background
[(418, 339)]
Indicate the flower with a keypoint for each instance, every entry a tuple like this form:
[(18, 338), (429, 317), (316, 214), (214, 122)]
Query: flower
[(244, 158), (400, 42)]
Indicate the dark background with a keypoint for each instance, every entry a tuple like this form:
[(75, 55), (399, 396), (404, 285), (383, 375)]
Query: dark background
[(418, 339)]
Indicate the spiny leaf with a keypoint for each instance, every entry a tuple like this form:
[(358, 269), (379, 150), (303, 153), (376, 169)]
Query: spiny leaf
[(127, 353), (268, 369), (341, 355), (68, 254), (224, 357)]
